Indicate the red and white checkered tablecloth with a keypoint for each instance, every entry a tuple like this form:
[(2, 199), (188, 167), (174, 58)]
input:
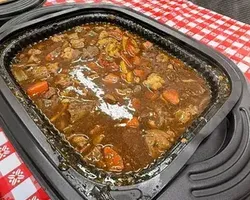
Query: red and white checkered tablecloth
[(230, 37), (16, 180)]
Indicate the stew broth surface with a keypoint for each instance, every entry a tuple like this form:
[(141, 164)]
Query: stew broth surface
[(120, 100)]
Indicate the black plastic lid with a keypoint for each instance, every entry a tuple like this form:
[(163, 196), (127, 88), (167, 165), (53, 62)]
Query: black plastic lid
[(11, 8)]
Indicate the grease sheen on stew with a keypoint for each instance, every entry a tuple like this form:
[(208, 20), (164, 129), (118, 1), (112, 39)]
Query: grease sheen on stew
[(120, 100)]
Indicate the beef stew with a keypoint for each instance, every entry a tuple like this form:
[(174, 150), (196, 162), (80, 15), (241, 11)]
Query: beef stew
[(120, 100)]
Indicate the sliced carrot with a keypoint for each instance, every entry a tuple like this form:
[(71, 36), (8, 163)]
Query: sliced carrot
[(171, 96), (133, 123), (140, 73), (151, 95), (136, 103), (113, 159), (38, 88), (111, 78), (147, 44)]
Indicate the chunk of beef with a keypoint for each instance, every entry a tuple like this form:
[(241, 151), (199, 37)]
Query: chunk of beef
[(159, 141), (40, 72), (78, 110), (93, 51), (63, 80), (154, 81), (33, 55), (77, 43), (65, 44), (70, 54), (57, 38), (90, 52), (34, 59), (52, 91), (53, 68), (73, 36), (85, 54)]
